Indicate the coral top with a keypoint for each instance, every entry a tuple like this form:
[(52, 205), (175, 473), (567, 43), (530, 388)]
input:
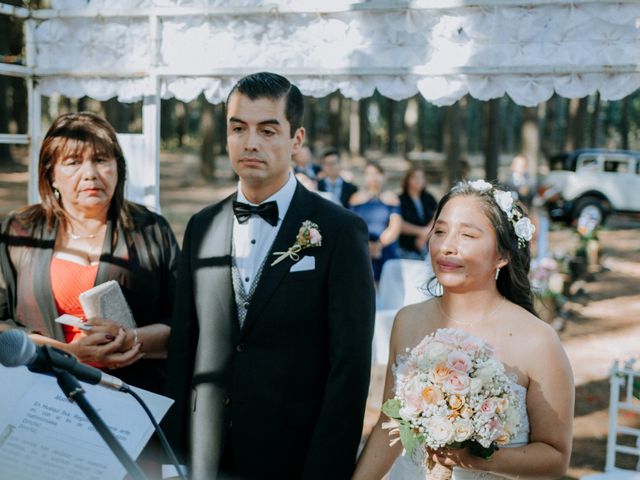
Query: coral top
[(68, 281)]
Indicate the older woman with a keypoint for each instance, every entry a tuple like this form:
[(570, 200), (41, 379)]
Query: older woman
[(82, 234)]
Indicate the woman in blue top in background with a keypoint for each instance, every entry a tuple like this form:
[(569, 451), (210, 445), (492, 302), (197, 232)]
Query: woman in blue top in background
[(380, 209)]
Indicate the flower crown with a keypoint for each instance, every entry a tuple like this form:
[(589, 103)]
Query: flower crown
[(522, 226)]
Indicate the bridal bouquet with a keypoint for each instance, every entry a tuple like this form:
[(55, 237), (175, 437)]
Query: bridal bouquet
[(451, 391)]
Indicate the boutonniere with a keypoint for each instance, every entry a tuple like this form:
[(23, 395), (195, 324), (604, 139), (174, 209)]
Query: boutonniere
[(308, 236)]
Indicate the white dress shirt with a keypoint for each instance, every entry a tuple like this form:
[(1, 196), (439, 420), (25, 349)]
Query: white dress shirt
[(252, 240)]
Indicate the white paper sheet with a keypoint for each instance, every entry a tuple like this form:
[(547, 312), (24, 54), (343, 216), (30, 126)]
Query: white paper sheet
[(44, 436)]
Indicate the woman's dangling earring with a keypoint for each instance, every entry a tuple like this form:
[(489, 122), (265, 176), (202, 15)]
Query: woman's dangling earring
[(56, 193), (497, 272)]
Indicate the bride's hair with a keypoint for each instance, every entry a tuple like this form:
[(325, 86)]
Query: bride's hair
[(513, 280)]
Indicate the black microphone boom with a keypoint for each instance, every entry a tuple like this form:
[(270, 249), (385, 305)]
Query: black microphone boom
[(17, 349)]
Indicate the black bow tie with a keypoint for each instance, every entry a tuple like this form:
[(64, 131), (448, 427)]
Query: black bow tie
[(268, 211)]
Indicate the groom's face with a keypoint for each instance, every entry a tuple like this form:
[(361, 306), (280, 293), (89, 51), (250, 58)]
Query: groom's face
[(259, 141)]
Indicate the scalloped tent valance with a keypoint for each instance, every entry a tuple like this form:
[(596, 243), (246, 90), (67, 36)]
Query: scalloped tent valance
[(443, 49)]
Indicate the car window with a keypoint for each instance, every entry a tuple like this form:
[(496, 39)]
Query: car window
[(561, 161), (588, 164), (616, 166)]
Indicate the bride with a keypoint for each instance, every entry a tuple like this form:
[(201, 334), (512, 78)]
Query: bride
[(479, 250)]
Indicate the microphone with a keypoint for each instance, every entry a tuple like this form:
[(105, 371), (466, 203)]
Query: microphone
[(17, 349)]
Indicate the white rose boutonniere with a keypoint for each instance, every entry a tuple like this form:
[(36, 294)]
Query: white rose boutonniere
[(308, 236)]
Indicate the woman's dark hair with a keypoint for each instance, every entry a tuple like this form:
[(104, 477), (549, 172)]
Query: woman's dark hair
[(69, 135), (274, 87), (375, 165), (513, 280), (407, 177)]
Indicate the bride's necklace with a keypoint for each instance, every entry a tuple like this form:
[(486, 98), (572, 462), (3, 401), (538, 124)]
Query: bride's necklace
[(469, 324)]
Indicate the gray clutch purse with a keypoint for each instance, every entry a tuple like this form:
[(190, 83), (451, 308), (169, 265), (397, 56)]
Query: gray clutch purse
[(107, 301)]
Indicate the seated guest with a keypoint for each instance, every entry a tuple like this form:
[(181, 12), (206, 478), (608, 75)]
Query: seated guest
[(84, 233), (332, 182), (417, 207), (380, 210), (303, 163)]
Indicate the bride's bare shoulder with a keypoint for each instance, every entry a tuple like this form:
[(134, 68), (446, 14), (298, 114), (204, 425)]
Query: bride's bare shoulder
[(413, 322), (529, 332)]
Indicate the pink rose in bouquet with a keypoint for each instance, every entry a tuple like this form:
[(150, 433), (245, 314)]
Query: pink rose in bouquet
[(451, 391)]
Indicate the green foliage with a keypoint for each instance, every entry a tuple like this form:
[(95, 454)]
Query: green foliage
[(391, 408)]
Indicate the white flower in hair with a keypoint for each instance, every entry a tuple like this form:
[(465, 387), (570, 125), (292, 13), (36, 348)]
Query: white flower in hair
[(525, 229), (480, 185), (504, 201)]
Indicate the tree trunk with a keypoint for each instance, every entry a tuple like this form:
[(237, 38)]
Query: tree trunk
[(363, 107), (581, 122), (207, 133), (392, 144), (335, 118), (221, 128), (509, 138), (624, 123), (410, 124), (492, 139), (181, 113), (452, 142), (531, 137), (594, 134), (354, 128), (116, 115), (576, 123), (570, 139)]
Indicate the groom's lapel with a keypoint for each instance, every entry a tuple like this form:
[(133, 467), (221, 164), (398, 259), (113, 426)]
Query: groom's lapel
[(302, 205)]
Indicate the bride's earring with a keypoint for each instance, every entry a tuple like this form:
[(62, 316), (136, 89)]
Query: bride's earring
[(497, 272)]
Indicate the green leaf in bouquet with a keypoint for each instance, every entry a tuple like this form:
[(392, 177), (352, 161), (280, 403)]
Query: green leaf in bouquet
[(408, 438), (391, 408), (483, 452)]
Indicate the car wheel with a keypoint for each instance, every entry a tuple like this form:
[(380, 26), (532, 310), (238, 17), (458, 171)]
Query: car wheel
[(593, 207)]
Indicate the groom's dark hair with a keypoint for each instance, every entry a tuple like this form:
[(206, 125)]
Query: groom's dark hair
[(274, 87)]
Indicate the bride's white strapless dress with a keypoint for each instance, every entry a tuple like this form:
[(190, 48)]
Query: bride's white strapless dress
[(412, 468)]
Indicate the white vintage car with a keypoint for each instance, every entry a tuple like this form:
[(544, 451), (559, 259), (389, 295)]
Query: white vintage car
[(594, 180)]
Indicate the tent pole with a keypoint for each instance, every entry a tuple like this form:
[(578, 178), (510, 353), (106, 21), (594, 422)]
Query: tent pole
[(34, 101)]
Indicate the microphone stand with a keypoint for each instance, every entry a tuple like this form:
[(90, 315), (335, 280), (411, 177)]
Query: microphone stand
[(74, 392)]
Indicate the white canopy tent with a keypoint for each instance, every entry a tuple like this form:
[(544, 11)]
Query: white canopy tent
[(444, 49)]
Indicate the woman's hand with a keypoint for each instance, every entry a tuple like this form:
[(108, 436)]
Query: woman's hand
[(104, 350), (451, 457), (108, 327), (375, 249)]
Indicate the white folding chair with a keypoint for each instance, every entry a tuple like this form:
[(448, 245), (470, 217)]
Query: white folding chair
[(623, 397), (402, 282)]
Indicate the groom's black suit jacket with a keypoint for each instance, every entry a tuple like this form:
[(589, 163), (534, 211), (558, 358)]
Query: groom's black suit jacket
[(290, 387)]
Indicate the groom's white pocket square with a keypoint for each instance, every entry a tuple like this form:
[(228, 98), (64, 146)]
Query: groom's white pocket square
[(305, 264)]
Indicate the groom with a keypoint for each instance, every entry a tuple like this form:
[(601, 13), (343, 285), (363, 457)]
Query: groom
[(269, 356)]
